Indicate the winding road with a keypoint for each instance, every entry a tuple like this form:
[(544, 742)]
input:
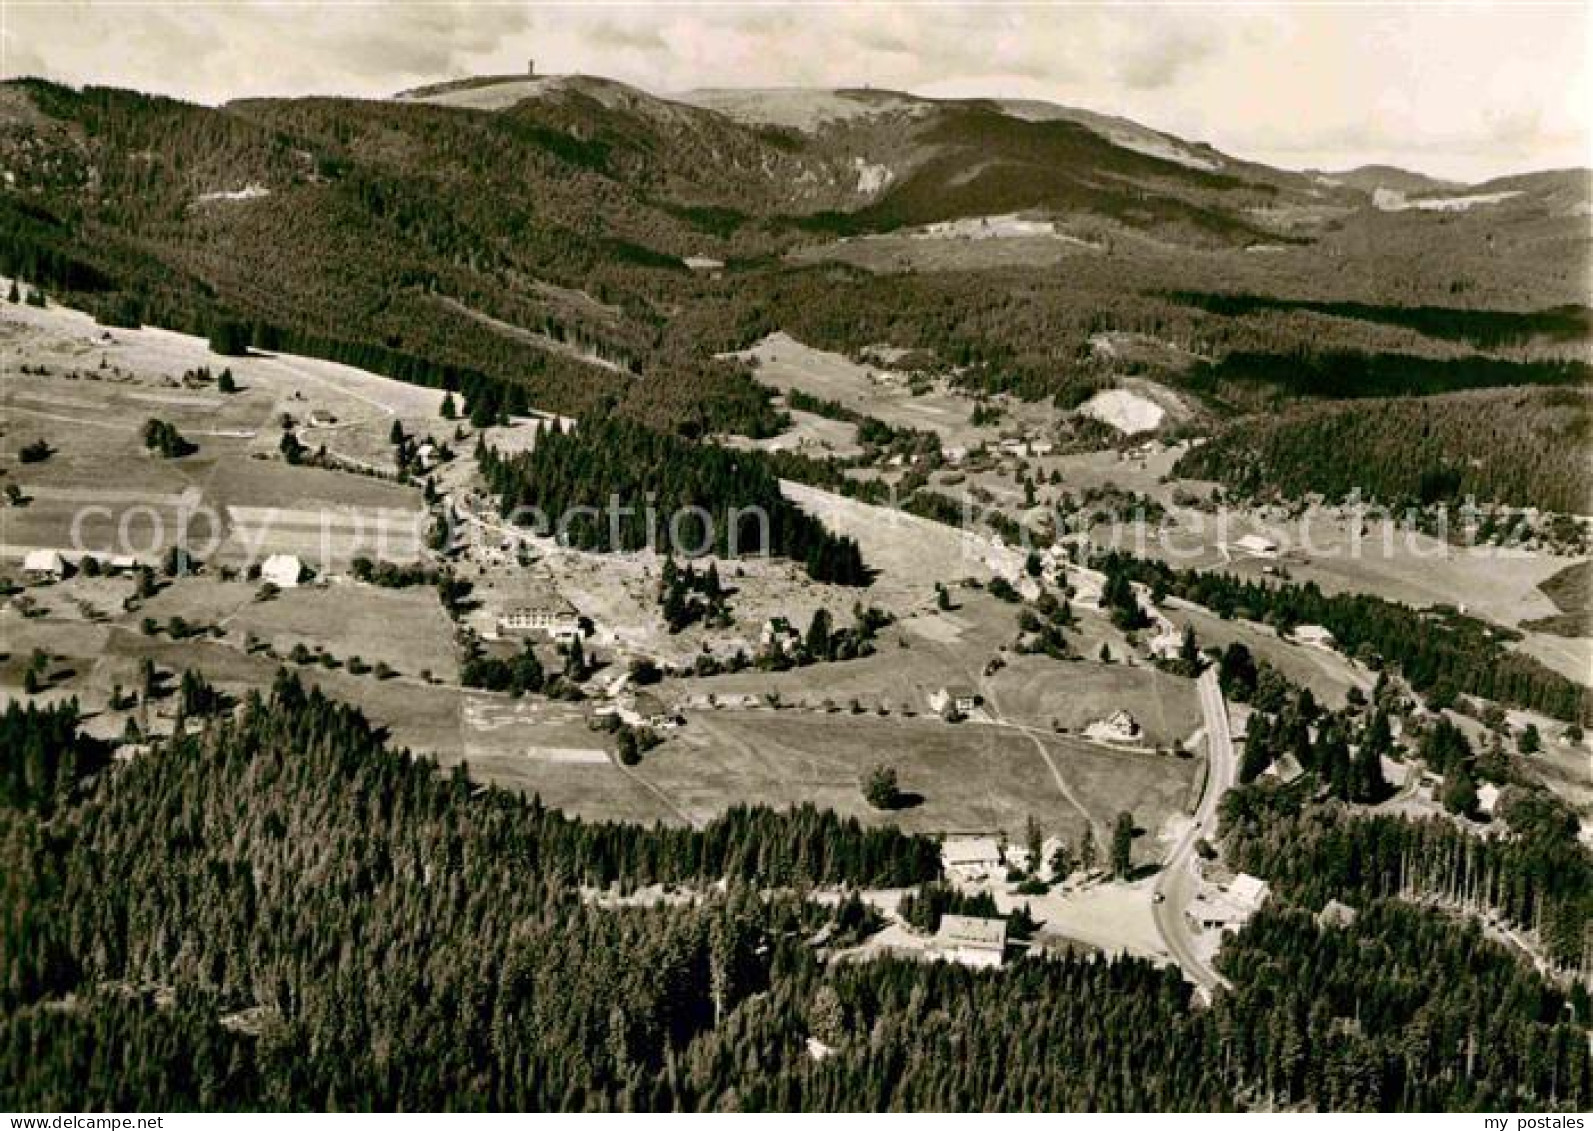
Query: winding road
[(1175, 887)]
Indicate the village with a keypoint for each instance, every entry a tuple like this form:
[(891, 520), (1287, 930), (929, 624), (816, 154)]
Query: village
[(347, 537)]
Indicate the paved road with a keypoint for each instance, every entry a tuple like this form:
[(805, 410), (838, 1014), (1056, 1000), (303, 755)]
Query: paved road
[(1175, 887)]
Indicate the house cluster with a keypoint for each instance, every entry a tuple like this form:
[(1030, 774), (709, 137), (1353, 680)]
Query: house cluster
[(1224, 908), (1027, 446)]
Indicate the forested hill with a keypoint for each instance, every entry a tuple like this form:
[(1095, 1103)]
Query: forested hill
[(542, 242), (272, 910)]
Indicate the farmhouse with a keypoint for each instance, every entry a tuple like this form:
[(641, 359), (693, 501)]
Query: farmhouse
[(971, 941), (778, 634), (1231, 908), (971, 858), (1336, 914), (1286, 769), (549, 614), (285, 571), (1119, 726), (44, 565), (1314, 635), (1257, 545), (648, 710), (954, 697)]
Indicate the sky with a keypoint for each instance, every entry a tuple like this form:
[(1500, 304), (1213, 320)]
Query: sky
[(1466, 91)]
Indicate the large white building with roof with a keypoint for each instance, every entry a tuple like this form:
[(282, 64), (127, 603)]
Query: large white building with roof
[(971, 940)]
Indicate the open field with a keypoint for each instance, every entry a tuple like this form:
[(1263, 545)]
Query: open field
[(1039, 691), (941, 649), (1572, 657), (1571, 590), (404, 628)]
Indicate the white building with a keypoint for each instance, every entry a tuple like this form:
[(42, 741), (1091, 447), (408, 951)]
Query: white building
[(1286, 769), (1487, 797), (1222, 909), (957, 698), (44, 565), (971, 941), (1336, 914), (285, 571), (972, 858), (1250, 891)]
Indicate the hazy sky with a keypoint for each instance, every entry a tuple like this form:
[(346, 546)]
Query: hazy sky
[(1468, 91)]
